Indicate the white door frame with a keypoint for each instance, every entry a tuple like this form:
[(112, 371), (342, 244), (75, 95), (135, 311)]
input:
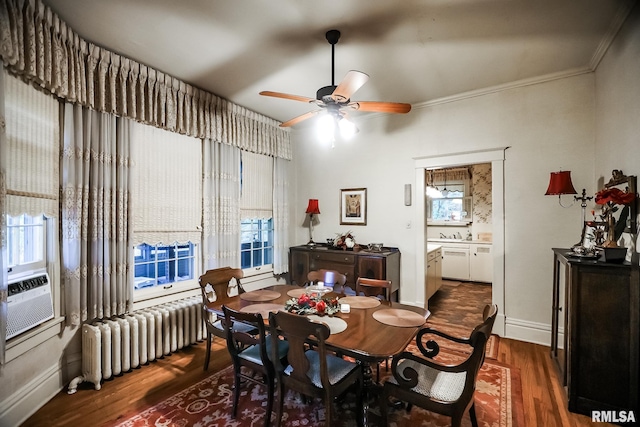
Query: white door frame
[(496, 157)]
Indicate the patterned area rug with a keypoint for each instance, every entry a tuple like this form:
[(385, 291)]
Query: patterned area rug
[(208, 403)]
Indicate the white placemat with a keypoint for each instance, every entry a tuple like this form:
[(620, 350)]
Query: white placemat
[(335, 324), (360, 301)]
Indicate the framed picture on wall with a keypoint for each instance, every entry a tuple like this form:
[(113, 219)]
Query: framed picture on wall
[(353, 206)]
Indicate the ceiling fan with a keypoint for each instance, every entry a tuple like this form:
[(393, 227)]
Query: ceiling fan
[(336, 100)]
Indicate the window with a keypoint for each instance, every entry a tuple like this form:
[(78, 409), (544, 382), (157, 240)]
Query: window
[(450, 204), (256, 246), (160, 265), (26, 245)]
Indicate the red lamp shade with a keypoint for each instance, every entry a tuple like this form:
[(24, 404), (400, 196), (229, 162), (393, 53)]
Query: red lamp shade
[(560, 183), (313, 207)]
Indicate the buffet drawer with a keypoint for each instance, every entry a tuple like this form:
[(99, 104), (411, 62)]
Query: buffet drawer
[(335, 258)]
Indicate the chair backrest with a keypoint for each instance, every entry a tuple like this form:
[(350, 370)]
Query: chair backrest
[(330, 278), (374, 288), (296, 330), (237, 339), (214, 284), (481, 333)]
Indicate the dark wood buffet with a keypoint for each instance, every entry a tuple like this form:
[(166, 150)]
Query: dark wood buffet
[(384, 264), (595, 332)]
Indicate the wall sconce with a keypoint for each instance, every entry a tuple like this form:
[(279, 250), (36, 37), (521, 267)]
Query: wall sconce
[(559, 184), (312, 209)]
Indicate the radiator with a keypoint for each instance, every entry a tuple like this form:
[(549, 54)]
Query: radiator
[(111, 347)]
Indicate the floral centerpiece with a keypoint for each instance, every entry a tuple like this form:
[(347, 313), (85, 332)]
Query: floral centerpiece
[(610, 198), (312, 303), (345, 241)]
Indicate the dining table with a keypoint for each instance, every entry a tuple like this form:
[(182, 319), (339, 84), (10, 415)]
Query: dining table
[(370, 332)]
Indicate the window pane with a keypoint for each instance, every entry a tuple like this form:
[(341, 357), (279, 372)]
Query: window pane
[(157, 265), (256, 247), (25, 240), (446, 209)]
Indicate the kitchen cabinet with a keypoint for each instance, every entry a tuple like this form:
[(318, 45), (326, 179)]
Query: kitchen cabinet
[(433, 280), (455, 261), (384, 264), (481, 263), (595, 333)]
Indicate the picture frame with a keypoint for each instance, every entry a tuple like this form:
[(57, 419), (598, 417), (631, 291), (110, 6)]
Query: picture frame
[(353, 206)]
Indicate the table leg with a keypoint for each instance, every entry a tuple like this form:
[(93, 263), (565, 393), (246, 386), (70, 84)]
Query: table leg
[(367, 377)]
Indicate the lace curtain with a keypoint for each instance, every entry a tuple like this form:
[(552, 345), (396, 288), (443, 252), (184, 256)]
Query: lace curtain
[(37, 44), (280, 215), (220, 206), (3, 226), (95, 233), (166, 186)]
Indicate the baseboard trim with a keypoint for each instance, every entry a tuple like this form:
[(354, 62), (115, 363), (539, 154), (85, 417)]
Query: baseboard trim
[(24, 402), (524, 330)]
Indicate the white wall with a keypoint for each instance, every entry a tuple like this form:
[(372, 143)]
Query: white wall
[(618, 107), (548, 126)]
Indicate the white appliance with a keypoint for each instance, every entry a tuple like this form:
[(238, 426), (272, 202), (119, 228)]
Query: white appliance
[(30, 302)]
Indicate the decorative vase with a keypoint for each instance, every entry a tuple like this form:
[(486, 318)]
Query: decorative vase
[(610, 241)]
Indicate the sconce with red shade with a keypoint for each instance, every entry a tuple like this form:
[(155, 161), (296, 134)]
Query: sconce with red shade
[(312, 209), (560, 184)]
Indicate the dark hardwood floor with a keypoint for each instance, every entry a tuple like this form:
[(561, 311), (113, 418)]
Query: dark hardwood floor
[(544, 400)]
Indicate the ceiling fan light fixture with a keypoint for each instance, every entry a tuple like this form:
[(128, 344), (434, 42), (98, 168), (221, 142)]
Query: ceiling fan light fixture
[(326, 127), (348, 129)]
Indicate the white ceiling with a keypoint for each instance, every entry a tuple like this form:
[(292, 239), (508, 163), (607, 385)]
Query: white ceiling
[(414, 51)]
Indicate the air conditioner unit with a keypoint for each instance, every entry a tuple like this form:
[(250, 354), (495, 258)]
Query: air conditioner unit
[(30, 302)]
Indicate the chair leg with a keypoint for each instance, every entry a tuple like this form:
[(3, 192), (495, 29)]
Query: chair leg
[(236, 391), (281, 392), (271, 392), (384, 410), (328, 406), (207, 352), (472, 415)]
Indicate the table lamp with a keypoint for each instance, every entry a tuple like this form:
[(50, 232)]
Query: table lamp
[(559, 184), (312, 209)]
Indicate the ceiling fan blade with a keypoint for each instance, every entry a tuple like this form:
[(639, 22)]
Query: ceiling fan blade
[(298, 119), (287, 96), (351, 82), (380, 107)]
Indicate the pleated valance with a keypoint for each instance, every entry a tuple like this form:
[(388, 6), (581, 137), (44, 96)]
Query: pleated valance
[(37, 45), (449, 174)]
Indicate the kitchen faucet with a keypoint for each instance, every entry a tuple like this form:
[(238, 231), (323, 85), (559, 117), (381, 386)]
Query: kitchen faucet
[(442, 236)]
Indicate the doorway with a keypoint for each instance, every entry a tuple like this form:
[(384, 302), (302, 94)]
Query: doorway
[(496, 158)]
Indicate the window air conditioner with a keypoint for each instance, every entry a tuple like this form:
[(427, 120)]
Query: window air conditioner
[(30, 302)]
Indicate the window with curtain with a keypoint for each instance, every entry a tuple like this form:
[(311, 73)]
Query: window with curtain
[(256, 213), (449, 196), (166, 210), (33, 154)]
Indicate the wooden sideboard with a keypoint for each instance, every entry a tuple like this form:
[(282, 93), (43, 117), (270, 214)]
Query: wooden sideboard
[(595, 332), (364, 263)]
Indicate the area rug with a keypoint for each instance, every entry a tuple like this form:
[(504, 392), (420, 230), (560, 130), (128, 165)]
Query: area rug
[(208, 404)]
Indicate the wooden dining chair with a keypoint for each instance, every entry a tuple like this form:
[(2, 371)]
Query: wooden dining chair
[(445, 389), (252, 351), (315, 373), (374, 288), (214, 286), (332, 279)]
